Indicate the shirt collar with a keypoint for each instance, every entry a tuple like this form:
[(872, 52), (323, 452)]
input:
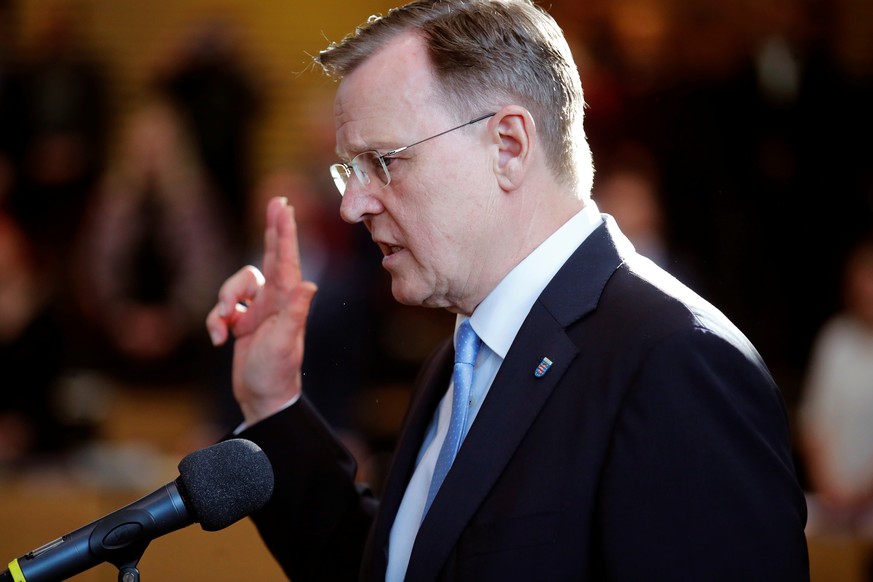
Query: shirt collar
[(499, 317)]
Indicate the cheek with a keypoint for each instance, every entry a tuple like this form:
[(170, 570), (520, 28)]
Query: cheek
[(427, 241), (439, 217), (433, 246)]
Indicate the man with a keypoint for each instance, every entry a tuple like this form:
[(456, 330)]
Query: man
[(618, 426)]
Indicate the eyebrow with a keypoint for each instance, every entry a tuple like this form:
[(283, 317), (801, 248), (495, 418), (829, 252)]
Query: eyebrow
[(351, 152)]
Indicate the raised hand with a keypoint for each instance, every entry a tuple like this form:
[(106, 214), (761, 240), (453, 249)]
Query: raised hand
[(266, 312)]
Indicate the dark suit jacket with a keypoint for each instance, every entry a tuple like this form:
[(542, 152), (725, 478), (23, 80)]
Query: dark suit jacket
[(656, 447)]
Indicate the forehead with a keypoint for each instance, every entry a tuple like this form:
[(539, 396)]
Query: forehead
[(392, 88)]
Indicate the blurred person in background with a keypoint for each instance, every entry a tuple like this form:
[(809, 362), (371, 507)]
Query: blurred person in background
[(149, 253), (836, 414), (52, 122), (628, 186), (219, 100), (58, 130), (32, 355)]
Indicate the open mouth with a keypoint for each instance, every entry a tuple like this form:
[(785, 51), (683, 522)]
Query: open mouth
[(388, 250)]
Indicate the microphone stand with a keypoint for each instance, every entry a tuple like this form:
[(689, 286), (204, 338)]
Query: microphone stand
[(128, 574), (127, 570)]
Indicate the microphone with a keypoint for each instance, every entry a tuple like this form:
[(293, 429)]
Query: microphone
[(217, 486)]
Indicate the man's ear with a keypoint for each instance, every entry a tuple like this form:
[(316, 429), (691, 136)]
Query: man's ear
[(516, 136)]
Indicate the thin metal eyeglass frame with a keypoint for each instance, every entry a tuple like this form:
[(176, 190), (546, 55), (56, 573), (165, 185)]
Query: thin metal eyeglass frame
[(349, 168)]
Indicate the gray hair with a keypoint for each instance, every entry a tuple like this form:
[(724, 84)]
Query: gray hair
[(489, 53)]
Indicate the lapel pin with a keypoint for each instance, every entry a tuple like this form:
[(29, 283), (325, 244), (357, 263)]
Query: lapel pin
[(543, 367)]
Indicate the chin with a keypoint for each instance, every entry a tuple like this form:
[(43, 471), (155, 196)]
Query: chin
[(414, 296), (405, 296)]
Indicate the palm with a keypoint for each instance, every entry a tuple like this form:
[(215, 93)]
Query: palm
[(268, 352)]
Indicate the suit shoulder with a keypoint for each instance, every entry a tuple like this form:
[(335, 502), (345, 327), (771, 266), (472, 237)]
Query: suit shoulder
[(658, 303)]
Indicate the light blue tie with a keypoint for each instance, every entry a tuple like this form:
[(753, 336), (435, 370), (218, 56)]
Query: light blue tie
[(465, 358)]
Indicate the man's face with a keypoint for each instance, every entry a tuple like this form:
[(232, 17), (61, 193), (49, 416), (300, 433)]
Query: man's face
[(432, 221)]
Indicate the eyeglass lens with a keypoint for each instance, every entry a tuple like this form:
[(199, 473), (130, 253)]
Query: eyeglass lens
[(366, 166)]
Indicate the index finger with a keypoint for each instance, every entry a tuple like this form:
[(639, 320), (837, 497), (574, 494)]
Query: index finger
[(281, 251)]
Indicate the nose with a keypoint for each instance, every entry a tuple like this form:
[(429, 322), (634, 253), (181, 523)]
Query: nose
[(359, 202)]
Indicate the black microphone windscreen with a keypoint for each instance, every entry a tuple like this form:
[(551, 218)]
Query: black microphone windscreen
[(226, 482)]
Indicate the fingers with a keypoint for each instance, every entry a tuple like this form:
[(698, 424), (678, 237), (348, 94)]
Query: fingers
[(239, 290), (281, 276), (281, 251), (216, 327)]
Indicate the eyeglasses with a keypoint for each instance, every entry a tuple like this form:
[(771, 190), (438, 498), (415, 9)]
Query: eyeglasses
[(372, 163)]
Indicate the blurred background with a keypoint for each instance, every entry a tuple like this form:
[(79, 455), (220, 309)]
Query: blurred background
[(140, 141)]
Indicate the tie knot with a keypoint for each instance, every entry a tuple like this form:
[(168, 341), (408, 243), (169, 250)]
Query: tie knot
[(468, 344)]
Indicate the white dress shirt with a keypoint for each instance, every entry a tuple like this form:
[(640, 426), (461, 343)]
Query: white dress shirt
[(496, 321)]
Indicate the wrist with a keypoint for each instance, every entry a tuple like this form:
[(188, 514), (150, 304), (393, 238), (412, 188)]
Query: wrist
[(257, 410)]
